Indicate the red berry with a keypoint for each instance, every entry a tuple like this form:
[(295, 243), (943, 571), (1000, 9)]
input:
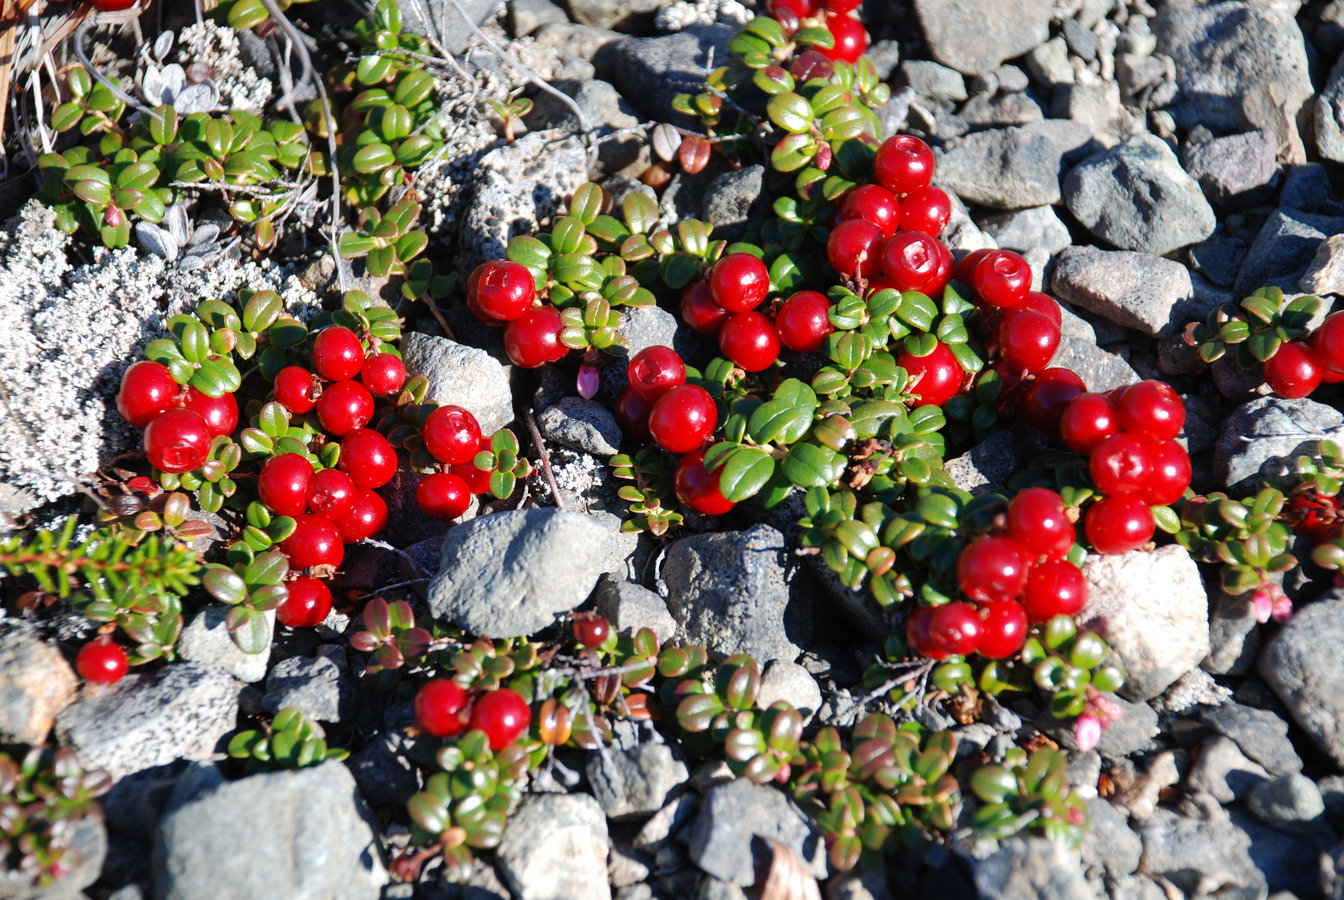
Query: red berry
[(699, 488), (1039, 523), (1003, 630), (1294, 371), (955, 628), (1119, 524), (912, 261), (739, 282), (918, 635), (1055, 587), (368, 517), (935, 378), (800, 8), (966, 268), (331, 494), (220, 413), (926, 209), (654, 371), (1328, 342), (1151, 409), (1027, 340), (1043, 304), (452, 435), (283, 484), (632, 414), (315, 542), (1088, 420), (113, 5), (1002, 279), (903, 164), (803, 322), (502, 290), (308, 603), (337, 354), (1120, 464), (1315, 516), (683, 418), (850, 38), (854, 248), (991, 570), (749, 340), (368, 458), (177, 441), (478, 480), (590, 629), (101, 661), (438, 708), (842, 6), (1048, 395), (147, 389), (1169, 475), (503, 715), (383, 374), (699, 311), (344, 407), (533, 339), (874, 204), (296, 389), (442, 495)]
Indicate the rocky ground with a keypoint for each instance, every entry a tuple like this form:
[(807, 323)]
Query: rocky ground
[(1151, 163)]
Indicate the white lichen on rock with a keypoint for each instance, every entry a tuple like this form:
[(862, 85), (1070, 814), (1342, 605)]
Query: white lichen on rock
[(217, 46), (702, 12)]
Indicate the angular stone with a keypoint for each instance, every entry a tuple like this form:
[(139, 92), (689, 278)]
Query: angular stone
[(929, 79), (723, 839), (1224, 772), (1325, 274), (732, 199), (956, 34), (1135, 290), (1101, 370), (460, 375), (790, 682), (1028, 229), (312, 685), (1265, 434), (1109, 843), (206, 640), (651, 71), (634, 782), (1028, 867), (1290, 803), (1237, 169), (36, 684), (1260, 734), (1305, 668), (1283, 249), (1005, 168), (555, 847), (580, 424), (630, 607), (607, 113), (1200, 857)]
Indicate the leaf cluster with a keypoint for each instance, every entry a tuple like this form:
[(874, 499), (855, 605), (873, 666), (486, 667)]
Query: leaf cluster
[(44, 796)]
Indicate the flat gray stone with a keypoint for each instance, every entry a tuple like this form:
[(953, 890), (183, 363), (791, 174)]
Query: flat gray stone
[(460, 375), (634, 782), (583, 425), (1237, 169), (650, 71), (206, 640), (1100, 369), (1289, 803), (929, 79), (630, 607), (607, 113), (722, 840), (791, 683), (1224, 772), (1265, 434), (956, 34), (1200, 857), (1260, 734), (312, 685), (1305, 668), (1028, 229), (1284, 249), (732, 199), (555, 847), (1325, 274), (1004, 168), (1109, 843), (1028, 867), (1135, 290)]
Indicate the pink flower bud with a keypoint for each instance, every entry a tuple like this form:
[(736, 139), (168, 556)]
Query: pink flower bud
[(1087, 731), (587, 381)]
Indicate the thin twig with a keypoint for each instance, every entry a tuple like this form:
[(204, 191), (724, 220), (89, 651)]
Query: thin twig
[(545, 457), (102, 79), (384, 545), (393, 587)]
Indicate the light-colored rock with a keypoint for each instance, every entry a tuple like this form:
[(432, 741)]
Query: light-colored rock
[(1305, 668), (36, 684), (555, 847), (1135, 290), (1325, 275), (206, 640), (790, 682), (461, 376), (723, 839)]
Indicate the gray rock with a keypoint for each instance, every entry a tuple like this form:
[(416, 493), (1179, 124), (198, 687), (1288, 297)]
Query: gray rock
[(581, 41), (1027, 229), (181, 711), (663, 825), (385, 777), (1132, 733), (1082, 41), (1009, 78), (790, 682), (1218, 259), (1134, 887), (1290, 861), (1328, 110), (555, 848), (733, 198), (1005, 168), (1098, 107), (1136, 196), (36, 684), (1237, 169), (1284, 249), (630, 607), (312, 685), (1289, 803), (461, 376), (206, 640), (444, 19), (1200, 857), (580, 424), (86, 851), (1307, 187), (1028, 867), (1224, 772), (634, 782), (1109, 844), (1304, 667), (651, 71), (722, 840), (1233, 637), (607, 113), (1100, 369), (1265, 433), (1135, 290), (299, 834), (985, 111), (612, 13), (526, 16), (987, 465), (1069, 137), (1049, 62), (1260, 734), (956, 34), (929, 79), (1152, 610), (1325, 274), (1224, 52), (730, 593)]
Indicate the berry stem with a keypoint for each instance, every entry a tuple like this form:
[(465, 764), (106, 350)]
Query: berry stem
[(545, 459)]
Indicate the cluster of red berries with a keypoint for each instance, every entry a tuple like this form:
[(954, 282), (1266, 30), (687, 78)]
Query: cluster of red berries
[(444, 709), (1299, 367), (502, 293), (1013, 579), (850, 38)]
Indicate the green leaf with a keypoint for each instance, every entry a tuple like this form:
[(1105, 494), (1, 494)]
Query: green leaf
[(250, 630), (793, 152), (373, 158), (811, 465), (268, 568), (745, 473), (917, 310), (413, 88), (790, 111), (225, 585), (779, 420)]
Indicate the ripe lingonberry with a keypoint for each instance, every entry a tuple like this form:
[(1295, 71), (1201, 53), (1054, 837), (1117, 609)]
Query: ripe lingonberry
[(501, 289), (283, 484), (1118, 524), (1315, 516), (1120, 464), (478, 480), (873, 203), (935, 378), (966, 268), (101, 661), (739, 282), (439, 705), (683, 418), (383, 374), (800, 8), (177, 441), (698, 488), (307, 605), (113, 5), (1294, 371), (955, 628), (220, 413), (1054, 587), (1002, 279), (632, 414), (1328, 342), (452, 435), (1043, 304), (296, 389), (337, 354), (503, 715), (903, 164), (803, 322), (1088, 420), (699, 311), (1048, 395), (1027, 340), (811, 64), (1003, 629), (147, 389), (912, 262), (854, 248), (1169, 475), (442, 495), (850, 38), (749, 340), (1039, 523), (654, 371), (368, 458), (991, 570), (331, 494), (590, 629), (315, 542), (926, 209), (343, 407), (367, 518), (1151, 409), (533, 339)]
